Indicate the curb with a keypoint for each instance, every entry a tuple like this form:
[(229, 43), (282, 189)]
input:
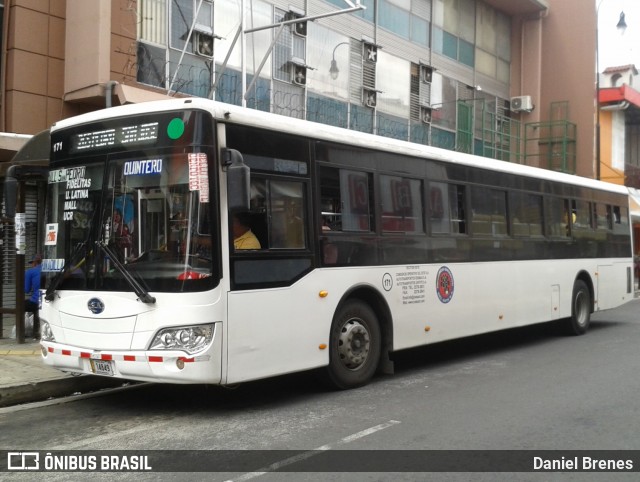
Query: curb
[(18, 352), (39, 391)]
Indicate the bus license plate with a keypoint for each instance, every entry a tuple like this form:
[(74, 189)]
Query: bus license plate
[(102, 367)]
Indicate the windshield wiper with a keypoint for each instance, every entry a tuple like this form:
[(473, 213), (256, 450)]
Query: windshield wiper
[(139, 290), (57, 279)]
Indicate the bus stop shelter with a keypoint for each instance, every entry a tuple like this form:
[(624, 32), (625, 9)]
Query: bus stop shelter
[(29, 165)]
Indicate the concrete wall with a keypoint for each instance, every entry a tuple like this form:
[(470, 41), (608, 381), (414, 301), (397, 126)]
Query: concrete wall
[(34, 65), (554, 61), (568, 72), (88, 46)]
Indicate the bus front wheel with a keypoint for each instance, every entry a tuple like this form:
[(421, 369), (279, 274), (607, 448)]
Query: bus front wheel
[(578, 324), (355, 343)]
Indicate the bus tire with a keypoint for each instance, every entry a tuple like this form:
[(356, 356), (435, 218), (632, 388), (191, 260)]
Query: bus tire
[(354, 345), (581, 305)]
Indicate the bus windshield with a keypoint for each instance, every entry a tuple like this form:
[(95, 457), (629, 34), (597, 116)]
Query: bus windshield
[(151, 212)]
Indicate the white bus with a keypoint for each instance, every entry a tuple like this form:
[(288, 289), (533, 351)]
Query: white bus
[(363, 246)]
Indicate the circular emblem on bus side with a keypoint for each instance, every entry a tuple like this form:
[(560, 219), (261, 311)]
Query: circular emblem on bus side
[(387, 282), (95, 305), (444, 284)]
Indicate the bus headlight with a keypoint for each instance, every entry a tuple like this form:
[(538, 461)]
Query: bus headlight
[(46, 334), (191, 339)]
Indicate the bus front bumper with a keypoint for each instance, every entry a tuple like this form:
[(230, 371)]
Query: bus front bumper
[(148, 366)]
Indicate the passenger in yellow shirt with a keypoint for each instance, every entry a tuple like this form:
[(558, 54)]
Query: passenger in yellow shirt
[(243, 237)]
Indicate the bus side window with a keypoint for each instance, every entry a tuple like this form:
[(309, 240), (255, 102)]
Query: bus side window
[(401, 204), (581, 214), (602, 216), (249, 228), (277, 215), (448, 208), (330, 205), (286, 214), (489, 215), (557, 217), (525, 211), (620, 220), (346, 200)]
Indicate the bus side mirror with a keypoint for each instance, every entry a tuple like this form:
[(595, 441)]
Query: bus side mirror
[(238, 180), (10, 193)]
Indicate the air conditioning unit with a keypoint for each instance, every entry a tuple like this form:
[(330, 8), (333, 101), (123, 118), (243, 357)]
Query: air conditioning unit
[(369, 97), (425, 114), (299, 75), (370, 52), (522, 103), (426, 73), (204, 44), (298, 28)]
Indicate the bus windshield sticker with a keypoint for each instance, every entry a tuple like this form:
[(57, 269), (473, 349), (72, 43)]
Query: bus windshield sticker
[(444, 284), (51, 235), (66, 174), (198, 175), (77, 188), (140, 168)]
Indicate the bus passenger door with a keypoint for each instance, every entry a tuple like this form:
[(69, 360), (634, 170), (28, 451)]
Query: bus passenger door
[(152, 221)]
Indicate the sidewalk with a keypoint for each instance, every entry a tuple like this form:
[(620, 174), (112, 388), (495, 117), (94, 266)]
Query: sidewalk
[(25, 378)]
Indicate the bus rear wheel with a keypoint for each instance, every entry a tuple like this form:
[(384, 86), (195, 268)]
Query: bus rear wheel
[(580, 319), (355, 343)]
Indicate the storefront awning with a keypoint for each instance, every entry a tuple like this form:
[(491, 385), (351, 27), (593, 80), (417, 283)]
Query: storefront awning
[(10, 143), (36, 149)]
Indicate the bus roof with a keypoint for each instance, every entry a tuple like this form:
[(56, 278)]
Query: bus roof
[(281, 123)]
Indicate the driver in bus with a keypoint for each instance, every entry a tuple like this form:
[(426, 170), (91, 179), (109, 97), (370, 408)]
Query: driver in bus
[(243, 237)]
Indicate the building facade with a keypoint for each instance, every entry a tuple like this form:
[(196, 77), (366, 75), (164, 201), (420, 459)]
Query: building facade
[(507, 79), (481, 76)]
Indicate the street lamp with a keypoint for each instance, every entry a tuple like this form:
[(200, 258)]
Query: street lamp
[(621, 26), (333, 70)]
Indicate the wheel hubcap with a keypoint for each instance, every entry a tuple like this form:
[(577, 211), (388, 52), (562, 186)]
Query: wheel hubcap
[(353, 344)]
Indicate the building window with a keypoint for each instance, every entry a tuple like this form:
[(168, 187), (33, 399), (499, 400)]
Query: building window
[(493, 43), (152, 27), (290, 51), (474, 34), (181, 20), (454, 29), (367, 13), (615, 79), (160, 59), (444, 96), (393, 79), (394, 16), (329, 54)]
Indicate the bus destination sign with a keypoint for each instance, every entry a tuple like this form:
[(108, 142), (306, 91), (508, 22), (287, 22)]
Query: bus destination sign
[(117, 136)]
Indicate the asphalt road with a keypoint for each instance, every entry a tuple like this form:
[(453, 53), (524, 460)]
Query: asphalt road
[(525, 389)]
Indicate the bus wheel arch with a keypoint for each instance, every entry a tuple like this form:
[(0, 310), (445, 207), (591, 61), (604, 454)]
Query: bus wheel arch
[(360, 339), (582, 305)]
